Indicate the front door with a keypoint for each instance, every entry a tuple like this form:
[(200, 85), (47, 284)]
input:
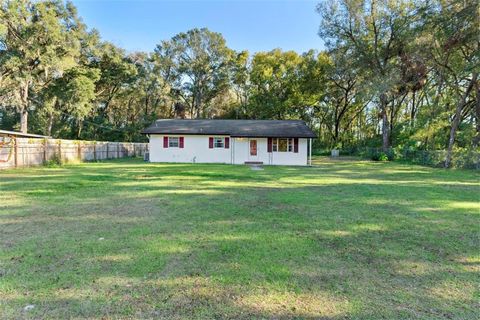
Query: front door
[(253, 150)]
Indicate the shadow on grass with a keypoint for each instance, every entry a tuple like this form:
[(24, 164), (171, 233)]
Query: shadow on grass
[(220, 242)]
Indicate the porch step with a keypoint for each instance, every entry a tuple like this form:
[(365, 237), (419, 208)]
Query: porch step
[(254, 162)]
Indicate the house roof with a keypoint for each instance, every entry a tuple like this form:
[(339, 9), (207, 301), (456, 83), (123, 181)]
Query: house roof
[(234, 128), (20, 134)]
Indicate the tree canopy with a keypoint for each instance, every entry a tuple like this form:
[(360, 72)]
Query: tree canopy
[(400, 74)]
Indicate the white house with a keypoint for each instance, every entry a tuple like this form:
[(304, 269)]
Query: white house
[(275, 142)]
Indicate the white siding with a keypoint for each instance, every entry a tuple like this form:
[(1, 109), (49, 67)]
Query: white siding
[(241, 152), (196, 150)]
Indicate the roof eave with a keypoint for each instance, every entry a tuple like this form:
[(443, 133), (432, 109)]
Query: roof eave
[(21, 134), (233, 136)]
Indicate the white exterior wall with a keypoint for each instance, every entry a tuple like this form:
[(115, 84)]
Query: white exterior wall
[(196, 150), (241, 153)]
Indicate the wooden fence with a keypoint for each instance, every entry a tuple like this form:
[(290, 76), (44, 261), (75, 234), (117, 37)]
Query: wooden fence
[(23, 152)]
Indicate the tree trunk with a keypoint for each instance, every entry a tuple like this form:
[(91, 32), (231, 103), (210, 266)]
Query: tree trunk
[(385, 124), (413, 110), (456, 120), (24, 109), (337, 133), (24, 120), (198, 106), (79, 129), (476, 140), (50, 124)]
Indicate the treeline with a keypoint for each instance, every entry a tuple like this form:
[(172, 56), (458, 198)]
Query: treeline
[(416, 64), (395, 73)]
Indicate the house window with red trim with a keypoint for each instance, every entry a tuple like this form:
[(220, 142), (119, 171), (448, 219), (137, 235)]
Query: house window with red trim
[(218, 142), (173, 142), (282, 144)]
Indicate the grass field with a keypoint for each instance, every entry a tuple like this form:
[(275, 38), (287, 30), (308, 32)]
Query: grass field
[(341, 240)]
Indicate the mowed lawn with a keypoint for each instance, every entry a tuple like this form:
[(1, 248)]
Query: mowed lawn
[(340, 240)]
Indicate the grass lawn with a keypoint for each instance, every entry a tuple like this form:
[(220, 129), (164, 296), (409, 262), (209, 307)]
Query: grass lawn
[(343, 239)]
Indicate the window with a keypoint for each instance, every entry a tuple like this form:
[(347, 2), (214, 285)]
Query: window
[(173, 142), (218, 142), (282, 145)]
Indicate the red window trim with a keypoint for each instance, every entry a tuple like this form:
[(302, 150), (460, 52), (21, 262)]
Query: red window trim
[(210, 142), (292, 142), (165, 141), (227, 143), (181, 142)]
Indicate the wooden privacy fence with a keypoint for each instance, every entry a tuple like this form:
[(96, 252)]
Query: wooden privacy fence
[(23, 152)]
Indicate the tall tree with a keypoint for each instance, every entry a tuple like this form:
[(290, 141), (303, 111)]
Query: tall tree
[(241, 84), (71, 94), (198, 63), (451, 33), (117, 72), (274, 83), (39, 41), (343, 100), (376, 33)]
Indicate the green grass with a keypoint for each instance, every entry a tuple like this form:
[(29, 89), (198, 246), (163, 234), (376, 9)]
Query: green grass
[(343, 239)]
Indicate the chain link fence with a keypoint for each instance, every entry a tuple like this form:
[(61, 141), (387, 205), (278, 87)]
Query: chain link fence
[(465, 159)]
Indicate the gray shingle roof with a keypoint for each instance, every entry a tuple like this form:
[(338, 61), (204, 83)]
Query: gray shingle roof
[(234, 128)]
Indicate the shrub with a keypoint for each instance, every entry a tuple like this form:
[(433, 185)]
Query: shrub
[(379, 156), (393, 154), (321, 152), (55, 161), (461, 158), (383, 157)]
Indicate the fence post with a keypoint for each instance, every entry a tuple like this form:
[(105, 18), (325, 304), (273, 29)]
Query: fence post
[(95, 151), (60, 150), (134, 150), (15, 151), (79, 151), (118, 149), (44, 150), (107, 150)]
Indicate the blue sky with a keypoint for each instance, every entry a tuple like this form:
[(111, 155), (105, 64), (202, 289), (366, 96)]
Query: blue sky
[(259, 25)]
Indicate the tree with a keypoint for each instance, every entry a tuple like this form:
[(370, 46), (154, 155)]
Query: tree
[(73, 94), (274, 83), (117, 72), (400, 74), (197, 64), (376, 34), (39, 41), (453, 46), (241, 81), (343, 101)]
